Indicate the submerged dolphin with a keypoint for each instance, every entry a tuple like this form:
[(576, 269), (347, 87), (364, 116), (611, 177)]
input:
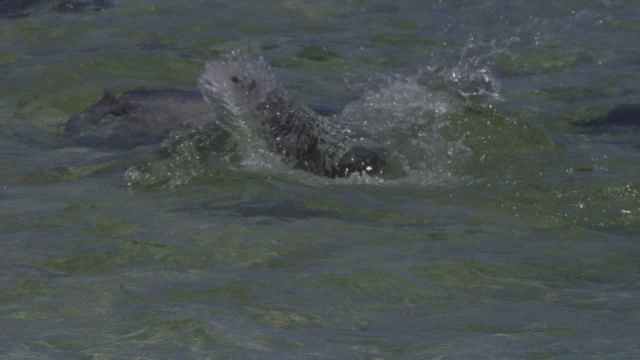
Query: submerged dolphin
[(138, 117), (623, 117)]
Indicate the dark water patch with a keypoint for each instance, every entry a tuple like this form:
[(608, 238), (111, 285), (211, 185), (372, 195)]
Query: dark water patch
[(12, 9), (623, 117), (317, 53)]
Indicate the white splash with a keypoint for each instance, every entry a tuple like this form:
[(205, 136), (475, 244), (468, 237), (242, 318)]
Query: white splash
[(238, 84)]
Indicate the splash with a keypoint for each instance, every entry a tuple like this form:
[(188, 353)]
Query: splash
[(401, 119), (265, 120), (436, 126), (237, 85), (408, 118)]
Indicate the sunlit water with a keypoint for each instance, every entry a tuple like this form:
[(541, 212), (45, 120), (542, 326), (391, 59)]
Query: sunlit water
[(501, 231)]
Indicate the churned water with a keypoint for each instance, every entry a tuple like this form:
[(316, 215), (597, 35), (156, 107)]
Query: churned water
[(506, 226)]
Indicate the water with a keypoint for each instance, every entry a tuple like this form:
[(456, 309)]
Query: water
[(505, 232)]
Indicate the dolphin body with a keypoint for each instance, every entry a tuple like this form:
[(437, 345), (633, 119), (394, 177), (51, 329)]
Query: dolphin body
[(147, 117), (240, 95), (138, 117)]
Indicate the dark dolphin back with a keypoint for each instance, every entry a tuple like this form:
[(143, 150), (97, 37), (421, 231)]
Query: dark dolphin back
[(623, 117), (138, 117)]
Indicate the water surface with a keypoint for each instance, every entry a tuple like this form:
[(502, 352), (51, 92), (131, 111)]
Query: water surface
[(511, 234)]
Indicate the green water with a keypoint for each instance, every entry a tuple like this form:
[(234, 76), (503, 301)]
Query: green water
[(518, 240)]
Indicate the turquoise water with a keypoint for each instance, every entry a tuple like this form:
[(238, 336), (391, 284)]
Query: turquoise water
[(511, 232)]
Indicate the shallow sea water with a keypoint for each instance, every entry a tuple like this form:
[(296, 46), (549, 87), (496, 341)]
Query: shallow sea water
[(514, 235)]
